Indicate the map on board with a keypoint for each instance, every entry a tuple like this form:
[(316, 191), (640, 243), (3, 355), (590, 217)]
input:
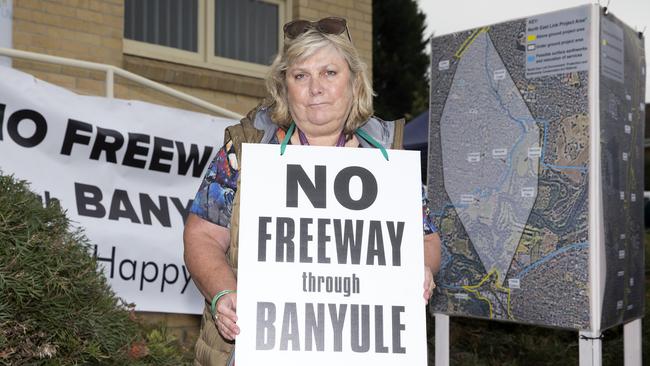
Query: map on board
[(508, 175)]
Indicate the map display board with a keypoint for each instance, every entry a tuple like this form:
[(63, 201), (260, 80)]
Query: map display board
[(514, 177)]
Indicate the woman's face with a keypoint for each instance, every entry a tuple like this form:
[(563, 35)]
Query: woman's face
[(319, 92)]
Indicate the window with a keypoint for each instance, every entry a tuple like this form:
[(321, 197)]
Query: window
[(170, 23), (237, 36), (246, 30)]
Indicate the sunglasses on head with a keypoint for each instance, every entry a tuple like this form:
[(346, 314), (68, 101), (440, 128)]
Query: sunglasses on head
[(329, 25)]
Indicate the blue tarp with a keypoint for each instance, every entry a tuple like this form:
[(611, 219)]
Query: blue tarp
[(416, 132), (416, 137)]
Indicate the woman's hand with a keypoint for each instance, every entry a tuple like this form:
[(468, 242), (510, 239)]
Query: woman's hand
[(225, 316), (431, 263), (429, 284)]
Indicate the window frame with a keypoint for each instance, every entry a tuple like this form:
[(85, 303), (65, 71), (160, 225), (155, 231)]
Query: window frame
[(151, 50), (204, 57)]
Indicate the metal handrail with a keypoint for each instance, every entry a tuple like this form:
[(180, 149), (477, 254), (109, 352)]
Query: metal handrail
[(111, 71)]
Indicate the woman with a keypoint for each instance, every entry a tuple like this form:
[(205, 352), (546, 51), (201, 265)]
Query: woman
[(319, 83)]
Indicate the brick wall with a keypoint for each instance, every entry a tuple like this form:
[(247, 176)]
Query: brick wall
[(92, 30), (88, 30), (84, 30)]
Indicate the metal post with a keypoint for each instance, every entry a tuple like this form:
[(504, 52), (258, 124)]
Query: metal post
[(591, 349), (633, 354), (442, 340), (6, 29), (110, 81), (111, 70)]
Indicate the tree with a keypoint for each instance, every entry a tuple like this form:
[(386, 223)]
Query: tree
[(399, 59)]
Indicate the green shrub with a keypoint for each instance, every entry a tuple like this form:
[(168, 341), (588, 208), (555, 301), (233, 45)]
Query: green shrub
[(56, 307)]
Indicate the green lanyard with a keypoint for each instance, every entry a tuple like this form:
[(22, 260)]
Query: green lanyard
[(359, 132)]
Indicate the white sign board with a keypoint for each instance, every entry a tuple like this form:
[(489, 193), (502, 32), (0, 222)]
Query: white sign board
[(125, 171), (331, 257)]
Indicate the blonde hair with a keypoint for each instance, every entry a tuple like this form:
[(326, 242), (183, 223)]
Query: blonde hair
[(300, 48)]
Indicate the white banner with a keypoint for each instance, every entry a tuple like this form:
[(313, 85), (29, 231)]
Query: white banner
[(125, 171), (331, 257)]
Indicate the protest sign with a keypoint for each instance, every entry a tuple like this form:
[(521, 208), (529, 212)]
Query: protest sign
[(330, 258)]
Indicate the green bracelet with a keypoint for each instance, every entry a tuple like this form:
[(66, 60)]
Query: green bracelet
[(213, 304)]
